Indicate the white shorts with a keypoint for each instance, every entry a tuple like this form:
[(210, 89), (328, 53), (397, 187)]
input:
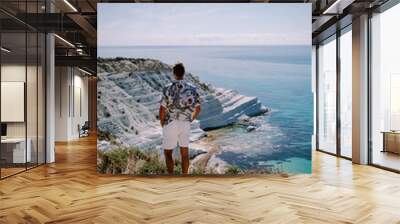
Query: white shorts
[(176, 133)]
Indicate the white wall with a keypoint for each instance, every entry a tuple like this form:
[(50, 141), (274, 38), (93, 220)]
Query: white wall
[(17, 73), (62, 81), (11, 73), (70, 83), (33, 126), (79, 117)]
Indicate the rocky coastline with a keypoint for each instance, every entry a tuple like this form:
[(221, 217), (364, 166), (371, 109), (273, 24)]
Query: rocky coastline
[(129, 91)]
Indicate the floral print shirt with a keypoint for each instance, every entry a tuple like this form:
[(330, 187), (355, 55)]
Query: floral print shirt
[(180, 99)]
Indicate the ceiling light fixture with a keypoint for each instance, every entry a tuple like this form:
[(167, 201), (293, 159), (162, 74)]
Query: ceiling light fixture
[(64, 40), (70, 5), (79, 51), (337, 7), (84, 71), (5, 50)]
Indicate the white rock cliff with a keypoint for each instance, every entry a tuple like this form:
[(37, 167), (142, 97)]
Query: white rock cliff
[(129, 91)]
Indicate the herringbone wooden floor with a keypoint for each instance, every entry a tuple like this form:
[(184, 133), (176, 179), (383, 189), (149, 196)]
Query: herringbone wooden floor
[(70, 191)]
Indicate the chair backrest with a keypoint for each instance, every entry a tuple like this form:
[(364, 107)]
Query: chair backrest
[(86, 125)]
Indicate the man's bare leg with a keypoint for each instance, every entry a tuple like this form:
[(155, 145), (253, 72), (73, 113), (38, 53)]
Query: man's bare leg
[(185, 160), (169, 160)]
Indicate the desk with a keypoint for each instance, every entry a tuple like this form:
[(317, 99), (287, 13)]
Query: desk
[(13, 150), (391, 141)]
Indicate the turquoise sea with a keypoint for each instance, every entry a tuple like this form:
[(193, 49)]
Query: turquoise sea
[(280, 76)]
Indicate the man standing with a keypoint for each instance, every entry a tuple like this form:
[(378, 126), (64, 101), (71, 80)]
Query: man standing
[(180, 105)]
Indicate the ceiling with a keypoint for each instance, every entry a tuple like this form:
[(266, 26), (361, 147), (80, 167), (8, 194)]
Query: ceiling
[(75, 21)]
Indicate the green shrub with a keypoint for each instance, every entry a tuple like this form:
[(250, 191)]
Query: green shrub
[(113, 161), (198, 171), (103, 135), (118, 160), (132, 160), (153, 166), (233, 170), (177, 169)]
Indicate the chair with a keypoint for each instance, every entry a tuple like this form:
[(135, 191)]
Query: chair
[(84, 130)]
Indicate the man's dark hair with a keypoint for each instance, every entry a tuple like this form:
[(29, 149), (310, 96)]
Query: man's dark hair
[(179, 70)]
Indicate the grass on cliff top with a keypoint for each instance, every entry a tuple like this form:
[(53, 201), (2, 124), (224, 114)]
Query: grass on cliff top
[(106, 136), (130, 160)]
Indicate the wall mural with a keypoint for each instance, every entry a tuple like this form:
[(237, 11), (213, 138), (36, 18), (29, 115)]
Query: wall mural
[(204, 89)]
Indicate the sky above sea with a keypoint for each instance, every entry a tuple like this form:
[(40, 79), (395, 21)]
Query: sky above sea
[(154, 24)]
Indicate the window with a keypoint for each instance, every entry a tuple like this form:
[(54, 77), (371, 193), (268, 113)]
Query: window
[(327, 95), (385, 89), (346, 93)]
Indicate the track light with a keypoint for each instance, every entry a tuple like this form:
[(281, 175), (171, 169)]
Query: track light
[(84, 71), (5, 50), (64, 40), (337, 7), (70, 5)]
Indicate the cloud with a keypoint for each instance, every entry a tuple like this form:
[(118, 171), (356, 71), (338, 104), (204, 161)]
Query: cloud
[(208, 39)]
